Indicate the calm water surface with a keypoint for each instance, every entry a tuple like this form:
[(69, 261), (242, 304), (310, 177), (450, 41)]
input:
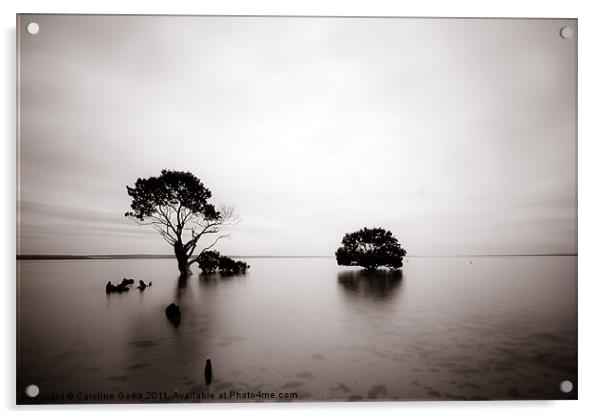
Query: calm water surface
[(499, 328)]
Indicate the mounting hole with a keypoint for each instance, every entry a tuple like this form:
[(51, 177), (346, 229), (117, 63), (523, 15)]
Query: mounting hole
[(566, 32), (566, 386), (32, 391), (33, 28)]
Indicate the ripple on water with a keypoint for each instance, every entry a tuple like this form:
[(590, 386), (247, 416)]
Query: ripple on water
[(292, 384), (341, 387), (65, 355), (377, 390), (143, 343), (138, 366), (306, 375)]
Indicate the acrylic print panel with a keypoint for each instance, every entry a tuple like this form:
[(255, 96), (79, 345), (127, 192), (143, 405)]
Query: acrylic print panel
[(291, 209)]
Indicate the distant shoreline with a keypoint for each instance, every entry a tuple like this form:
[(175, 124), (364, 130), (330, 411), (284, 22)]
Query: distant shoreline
[(67, 257), (136, 256)]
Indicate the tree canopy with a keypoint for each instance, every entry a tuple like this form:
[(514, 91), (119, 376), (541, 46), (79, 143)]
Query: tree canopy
[(370, 248), (176, 204)]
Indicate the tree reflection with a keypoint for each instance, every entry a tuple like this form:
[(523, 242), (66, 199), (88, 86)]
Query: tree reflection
[(213, 278), (378, 285), (181, 285)]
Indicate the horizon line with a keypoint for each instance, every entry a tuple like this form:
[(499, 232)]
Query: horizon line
[(169, 256)]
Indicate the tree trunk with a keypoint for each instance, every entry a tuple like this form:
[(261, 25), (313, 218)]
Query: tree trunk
[(182, 258)]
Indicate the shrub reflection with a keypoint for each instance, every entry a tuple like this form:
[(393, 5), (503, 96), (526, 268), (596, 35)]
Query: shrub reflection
[(377, 285)]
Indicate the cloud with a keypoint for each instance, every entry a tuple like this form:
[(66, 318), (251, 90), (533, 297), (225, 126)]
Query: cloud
[(458, 135)]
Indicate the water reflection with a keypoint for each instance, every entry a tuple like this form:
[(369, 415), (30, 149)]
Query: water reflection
[(227, 275), (181, 284), (378, 285), (209, 279), (503, 328), (213, 278)]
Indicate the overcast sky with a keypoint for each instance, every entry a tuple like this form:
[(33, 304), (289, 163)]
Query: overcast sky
[(457, 135)]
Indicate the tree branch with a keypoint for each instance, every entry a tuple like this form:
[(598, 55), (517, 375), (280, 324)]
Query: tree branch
[(196, 259)]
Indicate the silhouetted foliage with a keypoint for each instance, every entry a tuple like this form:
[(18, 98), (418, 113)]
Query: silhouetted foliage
[(121, 287), (231, 266), (126, 281), (210, 261), (109, 288), (370, 248), (176, 204)]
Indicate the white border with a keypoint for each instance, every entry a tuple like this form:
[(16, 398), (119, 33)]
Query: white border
[(590, 203)]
